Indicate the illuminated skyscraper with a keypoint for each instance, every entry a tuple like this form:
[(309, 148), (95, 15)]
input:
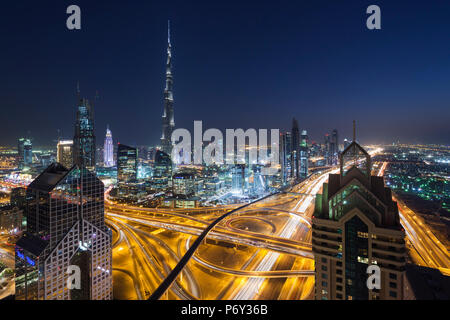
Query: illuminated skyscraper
[(127, 160), (304, 155), (286, 153), (65, 227), (334, 147), (84, 138), (64, 153), (161, 170), (295, 149), (356, 224), (25, 152), (108, 150), (238, 178), (168, 122)]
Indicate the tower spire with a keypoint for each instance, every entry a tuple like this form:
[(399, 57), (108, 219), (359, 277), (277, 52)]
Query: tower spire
[(78, 90), (354, 130), (168, 32)]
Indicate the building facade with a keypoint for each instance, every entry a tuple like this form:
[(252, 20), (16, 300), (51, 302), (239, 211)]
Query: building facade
[(25, 153), (168, 121), (65, 227), (108, 150), (285, 158), (127, 163), (304, 155), (64, 153), (161, 170), (356, 224), (84, 138), (295, 150)]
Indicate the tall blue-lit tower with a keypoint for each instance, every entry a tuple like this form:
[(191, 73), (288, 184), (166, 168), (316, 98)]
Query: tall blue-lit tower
[(108, 150), (168, 122)]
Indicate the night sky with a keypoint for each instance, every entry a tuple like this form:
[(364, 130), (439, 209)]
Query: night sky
[(237, 64)]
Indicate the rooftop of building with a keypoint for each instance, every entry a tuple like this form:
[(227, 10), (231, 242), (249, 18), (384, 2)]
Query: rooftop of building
[(32, 244), (49, 178)]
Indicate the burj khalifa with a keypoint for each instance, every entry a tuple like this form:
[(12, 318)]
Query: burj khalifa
[(168, 122)]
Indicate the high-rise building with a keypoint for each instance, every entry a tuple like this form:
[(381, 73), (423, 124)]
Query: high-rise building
[(127, 161), (25, 153), (304, 155), (64, 153), (184, 184), (286, 153), (334, 147), (84, 138), (108, 150), (168, 122), (295, 149), (327, 149), (65, 232), (355, 225), (238, 178), (161, 170)]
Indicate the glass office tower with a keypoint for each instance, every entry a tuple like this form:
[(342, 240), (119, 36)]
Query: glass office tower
[(127, 160), (25, 153), (65, 226), (295, 149), (84, 139), (304, 155)]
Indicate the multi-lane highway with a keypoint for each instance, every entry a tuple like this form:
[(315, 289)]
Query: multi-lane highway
[(426, 248), (261, 251)]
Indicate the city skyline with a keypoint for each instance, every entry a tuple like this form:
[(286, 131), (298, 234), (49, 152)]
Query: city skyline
[(205, 151), (226, 69)]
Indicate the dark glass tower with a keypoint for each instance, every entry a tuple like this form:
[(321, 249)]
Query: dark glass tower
[(286, 153), (304, 155), (84, 139), (295, 156), (65, 226), (127, 161), (162, 170), (334, 147), (168, 122), (25, 152)]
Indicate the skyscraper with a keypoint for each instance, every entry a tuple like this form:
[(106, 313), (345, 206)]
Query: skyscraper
[(327, 149), (304, 155), (84, 138), (356, 225), (108, 150), (286, 153), (127, 159), (295, 149), (168, 122), (334, 147), (25, 152), (238, 178), (64, 153), (65, 228), (161, 170)]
